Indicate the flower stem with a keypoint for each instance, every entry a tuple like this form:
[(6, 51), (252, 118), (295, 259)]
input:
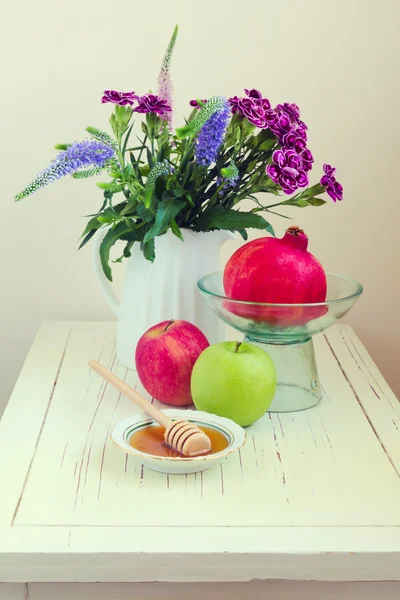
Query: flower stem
[(142, 148)]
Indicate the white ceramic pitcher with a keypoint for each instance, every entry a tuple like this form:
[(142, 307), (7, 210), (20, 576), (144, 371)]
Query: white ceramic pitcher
[(164, 289)]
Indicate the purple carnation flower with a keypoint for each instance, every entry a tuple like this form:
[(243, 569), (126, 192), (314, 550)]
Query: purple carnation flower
[(258, 112), (150, 103), (281, 125), (195, 104), (308, 159), (234, 102), (79, 155), (211, 136), (333, 187), (292, 111), (288, 120), (121, 98), (253, 93), (293, 140), (256, 109), (292, 133), (287, 170)]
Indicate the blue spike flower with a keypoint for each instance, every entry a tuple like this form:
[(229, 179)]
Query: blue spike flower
[(77, 156), (212, 135)]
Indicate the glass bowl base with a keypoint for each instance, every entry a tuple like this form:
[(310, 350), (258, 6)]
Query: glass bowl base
[(298, 386), (292, 398)]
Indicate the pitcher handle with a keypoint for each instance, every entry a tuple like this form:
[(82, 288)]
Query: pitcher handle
[(101, 278)]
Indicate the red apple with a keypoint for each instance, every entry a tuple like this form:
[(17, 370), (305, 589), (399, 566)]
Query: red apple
[(165, 357)]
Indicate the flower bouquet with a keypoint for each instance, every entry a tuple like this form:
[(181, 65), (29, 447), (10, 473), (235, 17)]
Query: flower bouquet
[(194, 177)]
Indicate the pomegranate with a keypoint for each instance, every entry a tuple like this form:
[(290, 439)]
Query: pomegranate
[(279, 271)]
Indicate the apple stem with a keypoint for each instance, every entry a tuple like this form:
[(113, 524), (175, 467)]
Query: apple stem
[(168, 324), (238, 344)]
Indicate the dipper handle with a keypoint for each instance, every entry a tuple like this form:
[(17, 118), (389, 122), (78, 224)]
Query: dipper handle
[(132, 394)]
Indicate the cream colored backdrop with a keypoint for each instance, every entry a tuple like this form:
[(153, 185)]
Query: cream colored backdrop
[(337, 59)]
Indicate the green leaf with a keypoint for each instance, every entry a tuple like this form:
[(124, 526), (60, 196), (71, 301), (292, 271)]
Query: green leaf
[(149, 250), (217, 217), (243, 233), (265, 134), (251, 166), (127, 249), (238, 136), (126, 140), (267, 145), (134, 149), (113, 124), (91, 227), (93, 224), (166, 196), (270, 229), (247, 127), (189, 199), (87, 238), (130, 238), (150, 159), (145, 170), (118, 208), (128, 172), (111, 237), (160, 155), (62, 146), (135, 166), (178, 192), (123, 115), (176, 230), (316, 189), (316, 201), (144, 213), (167, 210)]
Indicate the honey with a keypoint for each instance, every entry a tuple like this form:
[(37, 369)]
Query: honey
[(151, 441)]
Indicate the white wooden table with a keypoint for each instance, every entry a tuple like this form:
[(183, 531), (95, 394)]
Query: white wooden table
[(312, 496)]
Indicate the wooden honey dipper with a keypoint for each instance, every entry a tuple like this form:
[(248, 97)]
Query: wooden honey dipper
[(184, 437)]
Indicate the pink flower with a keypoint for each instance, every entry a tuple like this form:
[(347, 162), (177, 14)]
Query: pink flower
[(256, 109), (333, 187), (287, 170), (150, 103), (121, 98)]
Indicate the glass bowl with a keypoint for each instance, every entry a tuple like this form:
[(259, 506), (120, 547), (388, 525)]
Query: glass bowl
[(285, 332)]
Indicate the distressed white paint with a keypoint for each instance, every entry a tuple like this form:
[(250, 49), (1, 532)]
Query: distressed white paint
[(257, 590), (313, 495), (13, 591)]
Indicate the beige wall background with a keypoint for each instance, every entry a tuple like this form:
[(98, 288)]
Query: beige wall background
[(337, 59)]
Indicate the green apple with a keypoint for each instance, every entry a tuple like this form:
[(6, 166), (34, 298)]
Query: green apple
[(234, 380)]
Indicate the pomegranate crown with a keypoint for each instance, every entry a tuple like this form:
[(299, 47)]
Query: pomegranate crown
[(296, 236), (295, 230)]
